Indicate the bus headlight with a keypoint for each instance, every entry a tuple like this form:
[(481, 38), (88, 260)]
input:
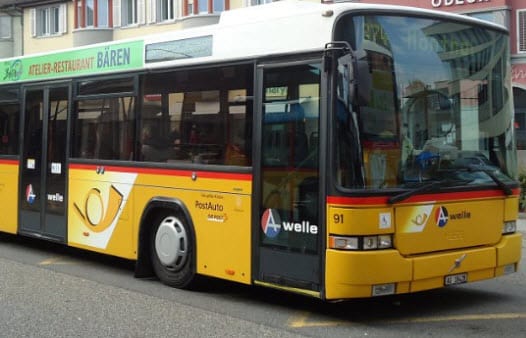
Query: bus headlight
[(375, 242), (509, 227), (343, 243)]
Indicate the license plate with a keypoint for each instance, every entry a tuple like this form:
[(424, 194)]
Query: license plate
[(456, 279)]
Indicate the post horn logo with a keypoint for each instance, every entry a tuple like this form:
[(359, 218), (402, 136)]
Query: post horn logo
[(96, 215)]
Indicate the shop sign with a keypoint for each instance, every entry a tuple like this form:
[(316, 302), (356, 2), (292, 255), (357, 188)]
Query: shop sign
[(451, 3), (518, 74)]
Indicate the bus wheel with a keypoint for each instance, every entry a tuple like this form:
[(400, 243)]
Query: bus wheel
[(172, 251)]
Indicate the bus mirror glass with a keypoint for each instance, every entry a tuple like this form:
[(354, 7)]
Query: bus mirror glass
[(362, 78)]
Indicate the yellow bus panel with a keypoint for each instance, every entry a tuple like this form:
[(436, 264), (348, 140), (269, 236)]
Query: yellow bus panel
[(106, 209), (9, 196)]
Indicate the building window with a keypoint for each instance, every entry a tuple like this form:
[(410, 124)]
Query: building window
[(103, 13), (521, 34), (500, 17), (195, 7), (90, 13), (162, 10), (93, 13), (48, 21), (129, 12), (166, 10), (5, 27), (259, 2), (218, 6)]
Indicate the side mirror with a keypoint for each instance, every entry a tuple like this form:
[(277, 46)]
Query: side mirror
[(355, 78), (363, 79)]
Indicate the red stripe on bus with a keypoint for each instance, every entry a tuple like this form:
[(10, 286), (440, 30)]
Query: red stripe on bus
[(375, 200), (167, 172), (10, 162)]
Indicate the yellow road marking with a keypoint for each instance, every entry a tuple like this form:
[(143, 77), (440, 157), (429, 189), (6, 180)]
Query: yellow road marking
[(55, 261), (301, 320)]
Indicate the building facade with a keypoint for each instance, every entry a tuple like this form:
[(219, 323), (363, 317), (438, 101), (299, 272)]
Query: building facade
[(45, 25), (10, 30)]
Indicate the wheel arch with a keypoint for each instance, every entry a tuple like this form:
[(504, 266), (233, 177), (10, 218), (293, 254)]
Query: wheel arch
[(154, 207)]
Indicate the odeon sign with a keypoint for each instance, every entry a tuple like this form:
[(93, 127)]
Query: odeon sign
[(448, 3)]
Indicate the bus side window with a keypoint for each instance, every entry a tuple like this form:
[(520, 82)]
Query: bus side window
[(9, 117), (154, 148), (104, 129), (205, 115), (104, 140)]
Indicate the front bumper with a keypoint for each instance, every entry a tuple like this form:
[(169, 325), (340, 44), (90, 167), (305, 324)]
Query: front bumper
[(351, 274)]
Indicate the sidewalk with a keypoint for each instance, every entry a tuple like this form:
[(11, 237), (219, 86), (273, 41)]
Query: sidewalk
[(521, 223)]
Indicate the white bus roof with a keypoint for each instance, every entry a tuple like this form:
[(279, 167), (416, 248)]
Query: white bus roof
[(277, 28), (285, 27)]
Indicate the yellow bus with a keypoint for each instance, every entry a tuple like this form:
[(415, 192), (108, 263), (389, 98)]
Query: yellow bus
[(333, 150)]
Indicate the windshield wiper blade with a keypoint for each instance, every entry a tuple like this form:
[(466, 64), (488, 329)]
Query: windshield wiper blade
[(407, 194), (473, 168), (426, 187)]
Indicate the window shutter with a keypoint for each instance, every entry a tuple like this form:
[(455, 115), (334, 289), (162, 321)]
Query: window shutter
[(522, 31), (177, 8), (141, 12), (117, 13), (33, 14), (152, 13), (63, 18)]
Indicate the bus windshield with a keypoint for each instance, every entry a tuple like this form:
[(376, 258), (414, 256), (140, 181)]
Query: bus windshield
[(439, 104)]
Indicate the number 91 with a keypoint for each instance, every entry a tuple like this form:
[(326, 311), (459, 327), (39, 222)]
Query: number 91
[(338, 218)]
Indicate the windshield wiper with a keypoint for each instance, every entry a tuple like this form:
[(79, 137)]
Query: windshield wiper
[(434, 184), (474, 168), (426, 187), (407, 194)]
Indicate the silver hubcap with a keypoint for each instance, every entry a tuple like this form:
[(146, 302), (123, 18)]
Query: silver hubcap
[(171, 243)]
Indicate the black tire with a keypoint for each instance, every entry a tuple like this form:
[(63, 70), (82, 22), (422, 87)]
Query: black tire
[(172, 251)]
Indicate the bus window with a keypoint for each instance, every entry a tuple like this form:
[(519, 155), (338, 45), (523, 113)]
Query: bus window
[(290, 153), (203, 126), (199, 116), (9, 122), (104, 128), (238, 145), (9, 129), (97, 87)]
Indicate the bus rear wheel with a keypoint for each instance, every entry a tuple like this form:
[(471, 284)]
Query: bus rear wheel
[(172, 251)]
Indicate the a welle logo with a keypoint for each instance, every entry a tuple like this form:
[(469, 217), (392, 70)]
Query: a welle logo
[(272, 225), (443, 216)]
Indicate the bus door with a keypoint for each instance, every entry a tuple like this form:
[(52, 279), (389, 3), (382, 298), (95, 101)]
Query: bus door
[(43, 165), (288, 221)]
